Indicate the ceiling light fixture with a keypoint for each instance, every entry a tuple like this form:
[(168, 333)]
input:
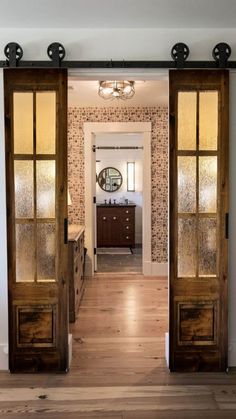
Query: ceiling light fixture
[(116, 89)]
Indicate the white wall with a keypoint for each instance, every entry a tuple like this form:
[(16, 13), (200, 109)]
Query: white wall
[(119, 159), (106, 44), (232, 222), (136, 44), (3, 244)]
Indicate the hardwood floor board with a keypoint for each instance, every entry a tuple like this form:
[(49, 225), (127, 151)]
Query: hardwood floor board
[(118, 363), (56, 415), (120, 350), (119, 405), (181, 414)]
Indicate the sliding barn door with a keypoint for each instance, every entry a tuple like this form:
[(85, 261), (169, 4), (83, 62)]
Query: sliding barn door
[(198, 220), (36, 170)]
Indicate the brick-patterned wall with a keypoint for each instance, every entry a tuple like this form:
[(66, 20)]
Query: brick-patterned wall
[(158, 116)]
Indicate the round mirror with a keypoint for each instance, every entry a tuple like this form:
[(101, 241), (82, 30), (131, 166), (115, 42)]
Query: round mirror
[(110, 179)]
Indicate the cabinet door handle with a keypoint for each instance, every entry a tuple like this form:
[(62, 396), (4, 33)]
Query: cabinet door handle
[(65, 230), (127, 227), (104, 218), (114, 218), (127, 237), (127, 211), (127, 219), (227, 225)]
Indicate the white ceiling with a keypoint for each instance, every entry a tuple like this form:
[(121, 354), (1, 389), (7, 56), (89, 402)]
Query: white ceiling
[(117, 14), (147, 93)]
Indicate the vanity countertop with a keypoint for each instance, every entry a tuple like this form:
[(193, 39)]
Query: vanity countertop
[(116, 205), (75, 231)]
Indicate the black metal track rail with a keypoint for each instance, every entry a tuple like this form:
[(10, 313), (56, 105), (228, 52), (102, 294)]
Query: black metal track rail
[(179, 53), (119, 64)]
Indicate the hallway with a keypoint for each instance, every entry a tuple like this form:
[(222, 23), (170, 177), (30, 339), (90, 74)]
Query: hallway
[(119, 336), (118, 369)]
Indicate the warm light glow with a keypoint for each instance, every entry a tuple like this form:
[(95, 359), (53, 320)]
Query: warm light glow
[(68, 198), (130, 176), (116, 89)]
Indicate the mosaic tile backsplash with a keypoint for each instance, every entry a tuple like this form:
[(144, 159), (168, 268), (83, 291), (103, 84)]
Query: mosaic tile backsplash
[(158, 116)]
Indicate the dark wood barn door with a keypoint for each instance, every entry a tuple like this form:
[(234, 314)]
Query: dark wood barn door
[(198, 220), (36, 172)]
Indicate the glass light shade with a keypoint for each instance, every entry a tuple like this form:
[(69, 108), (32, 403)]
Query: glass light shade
[(68, 198), (130, 176), (123, 89)]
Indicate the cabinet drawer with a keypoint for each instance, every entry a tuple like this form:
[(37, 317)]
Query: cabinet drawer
[(129, 212), (128, 228), (128, 237), (76, 280), (128, 220)]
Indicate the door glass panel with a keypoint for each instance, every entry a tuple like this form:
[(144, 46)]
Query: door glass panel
[(208, 184), (186, 184), (23, 123), (25, 253), (46, 251), (208, 120), (187, 111), (207, 247), (46, 189), (23, 188), (45, 122), (187, 247)]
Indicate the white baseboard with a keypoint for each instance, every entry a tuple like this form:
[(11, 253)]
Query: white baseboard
[(4, 365), (70, 348), (232, 353), (155, 269), (167, 346)]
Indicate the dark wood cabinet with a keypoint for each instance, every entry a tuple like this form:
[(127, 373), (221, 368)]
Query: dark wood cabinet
[(76, 263), (116, 226)]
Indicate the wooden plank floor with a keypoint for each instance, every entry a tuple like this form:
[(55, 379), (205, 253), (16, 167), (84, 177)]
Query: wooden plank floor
[(118, 369)]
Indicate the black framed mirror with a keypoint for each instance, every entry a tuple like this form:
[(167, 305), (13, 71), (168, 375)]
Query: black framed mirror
[(110, 179)]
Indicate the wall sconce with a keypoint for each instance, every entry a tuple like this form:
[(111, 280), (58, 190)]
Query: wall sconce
[(131, 176), (68, 198)]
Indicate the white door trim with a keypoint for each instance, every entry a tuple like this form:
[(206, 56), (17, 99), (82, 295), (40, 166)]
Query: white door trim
[(90, 129)]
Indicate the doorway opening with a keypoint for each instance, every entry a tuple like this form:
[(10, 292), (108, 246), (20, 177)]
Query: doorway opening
[(145, 115), (119, 202), (116, 296)]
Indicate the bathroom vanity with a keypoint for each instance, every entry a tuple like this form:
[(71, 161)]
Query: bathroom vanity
[(116, 225)]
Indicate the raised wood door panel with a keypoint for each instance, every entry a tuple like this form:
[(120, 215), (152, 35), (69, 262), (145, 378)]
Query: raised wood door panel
[(198, 217), (36, 175)]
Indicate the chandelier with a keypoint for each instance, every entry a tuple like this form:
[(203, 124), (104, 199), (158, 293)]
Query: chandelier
[(116, 89)]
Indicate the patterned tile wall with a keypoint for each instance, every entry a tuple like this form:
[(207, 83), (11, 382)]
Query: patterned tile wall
[(158, 116)]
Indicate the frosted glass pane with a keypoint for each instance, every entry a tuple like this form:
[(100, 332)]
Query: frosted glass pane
[(208, 120), (46, 252), (187, 184), (23, 123), (207, 246), (187, 110), (186, 247), (24, 253), (208, 184), (23, 188), (45, 122), (45, 188)]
